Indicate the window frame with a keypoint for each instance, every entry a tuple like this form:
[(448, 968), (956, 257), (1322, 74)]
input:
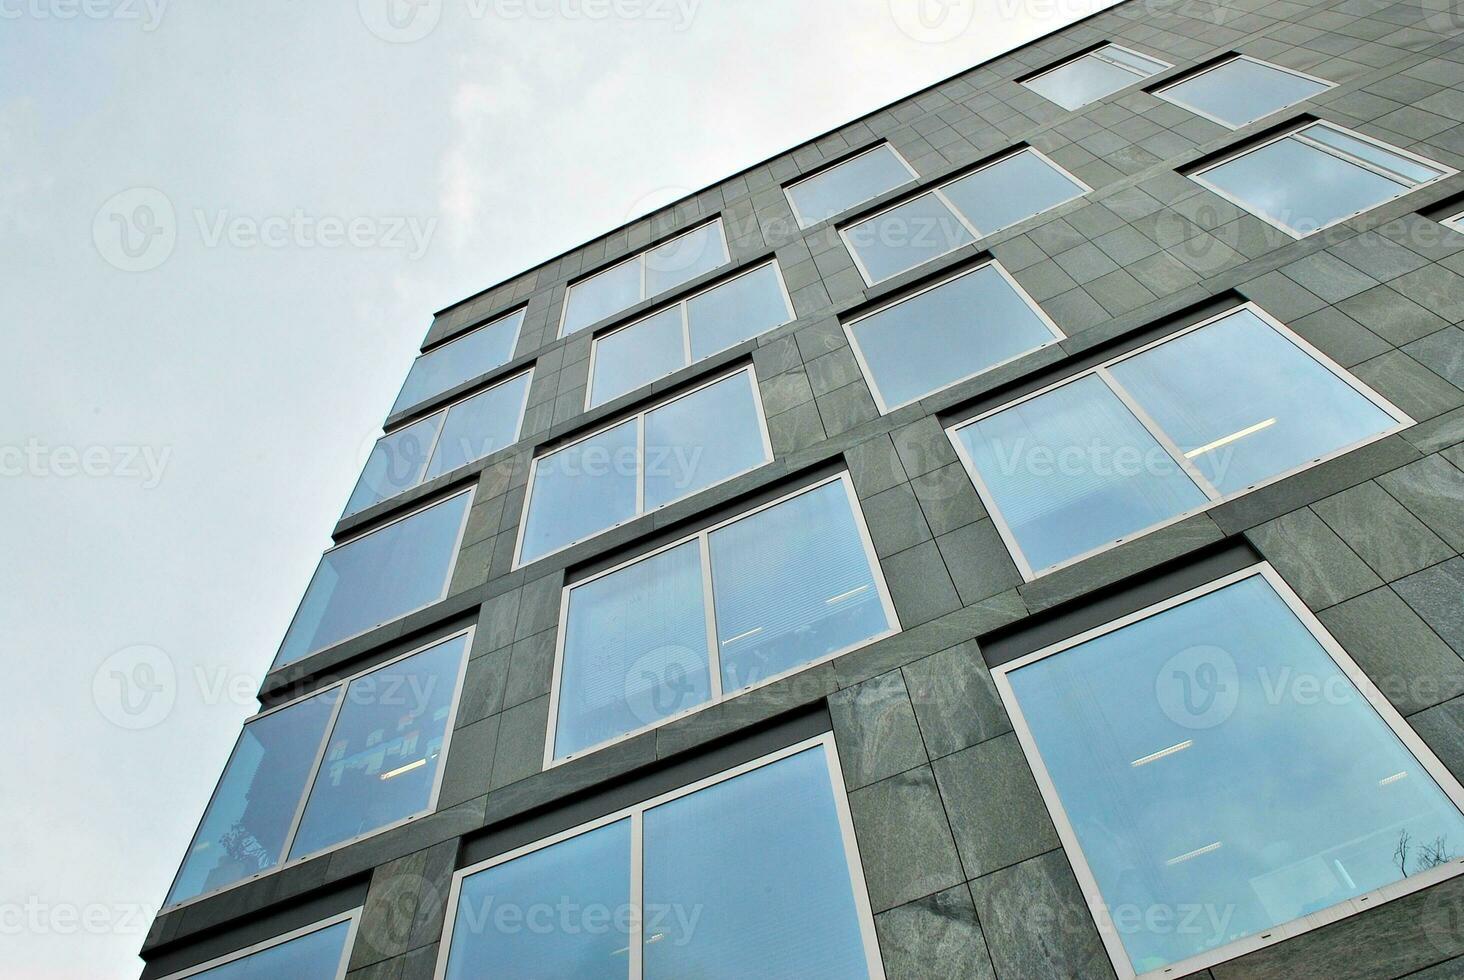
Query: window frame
[(684, 305), (437, 438), (315, 767), (1400, 418), (717, 694), (1163, 90), (1098, 53), (640, 256), (355, 536), (879, 400), (804, 224), (353, 917), (636, 814), (1454, 222), (938, 190), (520, 311), (640, 491), (1088, 882), (1296, 132)]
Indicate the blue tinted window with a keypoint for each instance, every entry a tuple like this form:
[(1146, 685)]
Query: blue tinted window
[(1214, 759), (906, 236), (383, 754), (581, 490), (316, 955), (396, 463), (1242, 90), (684, 258), (1072, 470), (561, 911), (839, 188), (1244, 404), (1011, 190), (1095, 75), (470, 356), (635, 649), (701, 439), (644, 275), (761, 860), (376, 578), (644, 351), (480, 426), (245, 829), (736, 310), (792, 583), (946, 334), (1303, 187)]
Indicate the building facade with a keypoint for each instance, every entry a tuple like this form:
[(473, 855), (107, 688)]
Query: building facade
[(1014, 535)]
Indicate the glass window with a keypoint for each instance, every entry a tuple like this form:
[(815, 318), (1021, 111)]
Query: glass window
[(793, 583), (704, 324), (381, 760), (644, 275), (1456, 222), (1317, 176), (375, 578), (369, 746), (946, 334), (1212, 760), (248, 821), (705, 436), (1095, 75), (1242, 90), (460, 434), (459, 361), (1011, 190), (731, 886), (844, 185), (635, 649), (905, 236), (1200, 417), (984, 201), (318, 953)]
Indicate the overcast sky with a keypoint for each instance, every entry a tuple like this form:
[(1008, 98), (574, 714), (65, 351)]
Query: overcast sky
[(223, 231)]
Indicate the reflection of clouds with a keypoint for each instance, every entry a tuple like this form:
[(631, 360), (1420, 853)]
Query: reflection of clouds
[(1301, 187)]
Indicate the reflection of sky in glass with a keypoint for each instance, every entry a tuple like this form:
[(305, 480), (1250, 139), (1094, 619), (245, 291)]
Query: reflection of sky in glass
[(464, 359), (759, 860), (951, 332), (1213, 759), (1300, 186), (581, 490), (704, 438), (735, 311), (1073, 469), (1085, 80), (1010, 191), (1246, 402), (313, 956), (480, 426), (637, 355), (840, 188), (905, 236), (1240, 91), (550, 913)]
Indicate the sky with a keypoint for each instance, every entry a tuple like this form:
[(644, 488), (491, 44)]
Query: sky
[(224, 228)]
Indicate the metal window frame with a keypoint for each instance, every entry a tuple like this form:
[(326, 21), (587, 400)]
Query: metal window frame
[(343, 684), (871, 376), (824, 171), (518, 333), (684, 305), (1454, 222), (1401, 421), (1097, 53), (639, 418), (640, 257), (353, 538), (636, 813), (353, 917), (939, 192), (1088, 882), (714, 665), (1164, 92), (1297, 134), (431, 454)]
